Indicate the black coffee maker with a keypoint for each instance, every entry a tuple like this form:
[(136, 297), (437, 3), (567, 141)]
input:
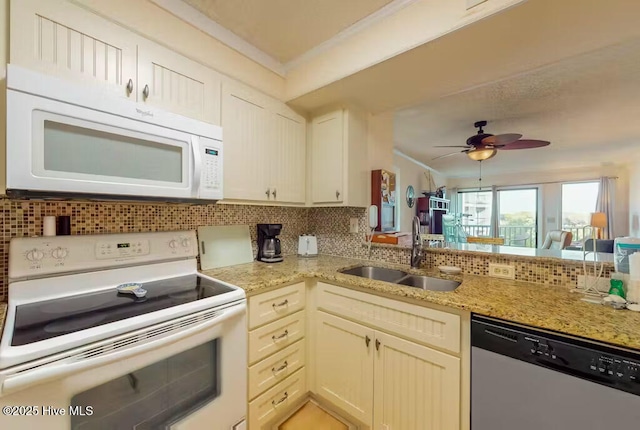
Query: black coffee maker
[(269, 250)]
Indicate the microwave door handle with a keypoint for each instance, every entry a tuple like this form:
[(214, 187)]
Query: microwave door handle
[(18, 381), (197, 165)]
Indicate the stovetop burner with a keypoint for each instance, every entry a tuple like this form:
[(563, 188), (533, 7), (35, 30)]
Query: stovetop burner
[(47, 319)]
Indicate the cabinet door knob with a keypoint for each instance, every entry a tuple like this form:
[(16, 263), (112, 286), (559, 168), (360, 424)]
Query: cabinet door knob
[(337, 194), (377, 345), (266, 193), (274, 193), (129, 86), (145, 91), (367, 340)]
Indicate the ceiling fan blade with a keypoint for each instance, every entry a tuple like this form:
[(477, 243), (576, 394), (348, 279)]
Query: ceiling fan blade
[(501, 139), (451, 146), (449, 155), (525, 144)]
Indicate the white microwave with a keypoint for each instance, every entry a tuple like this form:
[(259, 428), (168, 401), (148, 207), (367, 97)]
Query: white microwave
[(67, 140)]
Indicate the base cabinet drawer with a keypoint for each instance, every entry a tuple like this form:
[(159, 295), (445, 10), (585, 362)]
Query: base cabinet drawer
[(417, 323), (270, 306), (278, 400), (276, 368), (275, 336)]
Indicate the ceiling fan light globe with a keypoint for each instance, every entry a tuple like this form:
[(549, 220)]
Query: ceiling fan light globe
[(481, 154)]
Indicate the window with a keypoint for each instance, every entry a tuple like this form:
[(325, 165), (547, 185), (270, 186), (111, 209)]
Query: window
[(518, 217), (578, 202), (476, 209)]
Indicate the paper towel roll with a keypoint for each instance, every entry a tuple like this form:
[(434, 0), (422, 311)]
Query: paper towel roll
[(633, 291), (49, 226), (634, 266)]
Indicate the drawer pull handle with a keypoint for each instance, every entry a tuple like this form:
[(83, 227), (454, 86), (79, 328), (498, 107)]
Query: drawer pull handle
[(377, 345), (367, 340), (281, 304), (285, 334), (281, 368), (285, 397), (145, 91), (129, 87)]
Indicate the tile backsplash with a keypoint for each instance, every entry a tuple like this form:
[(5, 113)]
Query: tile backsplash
[(24, 218), (330, 225)]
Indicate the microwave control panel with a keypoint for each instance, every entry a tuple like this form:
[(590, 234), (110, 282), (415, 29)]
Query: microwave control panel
[(211, 175)]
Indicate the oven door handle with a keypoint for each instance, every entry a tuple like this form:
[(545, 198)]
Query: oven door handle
[(12, 380)]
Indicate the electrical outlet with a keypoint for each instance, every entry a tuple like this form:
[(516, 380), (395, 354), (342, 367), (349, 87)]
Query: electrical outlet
[(601, 284), (353, 225), (504, 271)]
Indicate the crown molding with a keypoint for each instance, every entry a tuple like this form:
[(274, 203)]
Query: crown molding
[(202, 22), (377, 16), (414, 161)]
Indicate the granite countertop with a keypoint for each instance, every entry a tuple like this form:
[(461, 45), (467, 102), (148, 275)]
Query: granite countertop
[(548, 307)]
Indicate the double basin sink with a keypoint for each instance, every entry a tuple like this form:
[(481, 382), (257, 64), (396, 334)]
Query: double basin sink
[(402, 278)]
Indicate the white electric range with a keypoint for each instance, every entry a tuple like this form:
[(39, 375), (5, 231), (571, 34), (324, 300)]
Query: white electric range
[(76, 353)]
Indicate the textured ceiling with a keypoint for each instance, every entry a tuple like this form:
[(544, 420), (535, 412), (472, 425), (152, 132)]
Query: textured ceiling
[(587, 106), (286, 29)]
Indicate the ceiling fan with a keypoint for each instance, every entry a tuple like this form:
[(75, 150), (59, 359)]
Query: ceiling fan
[(483, 146)]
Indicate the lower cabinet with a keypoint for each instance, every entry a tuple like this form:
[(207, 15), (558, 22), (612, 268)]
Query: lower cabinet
[(416, 387), (384, 381), (388, 364), (344, 365)]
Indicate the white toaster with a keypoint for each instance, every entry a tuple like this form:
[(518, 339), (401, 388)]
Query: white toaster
[(307, 245)]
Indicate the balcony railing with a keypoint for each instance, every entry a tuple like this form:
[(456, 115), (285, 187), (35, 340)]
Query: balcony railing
[(513, 235)]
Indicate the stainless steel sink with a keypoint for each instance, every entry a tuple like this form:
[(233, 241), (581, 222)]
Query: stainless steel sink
[(428, 283), (377, 273)]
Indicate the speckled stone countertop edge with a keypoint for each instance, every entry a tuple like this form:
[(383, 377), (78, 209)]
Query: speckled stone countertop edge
[(553, 308)]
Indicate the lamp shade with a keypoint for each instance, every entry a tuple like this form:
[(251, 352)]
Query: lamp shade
[(481, 154), (598, 219)]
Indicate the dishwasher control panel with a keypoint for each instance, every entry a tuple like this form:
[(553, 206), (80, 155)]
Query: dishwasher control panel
[(595, 362)]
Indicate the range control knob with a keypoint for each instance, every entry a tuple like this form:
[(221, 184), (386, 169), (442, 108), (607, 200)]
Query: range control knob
[(186, 243), (35, 255), (59, 253), (173, 244)]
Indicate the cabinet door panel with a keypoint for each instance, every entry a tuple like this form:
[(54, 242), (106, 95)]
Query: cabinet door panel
[(246, 128), (327, 158), (344, 365), (178, 84), (289, 156), (58, 38), (417, 388)]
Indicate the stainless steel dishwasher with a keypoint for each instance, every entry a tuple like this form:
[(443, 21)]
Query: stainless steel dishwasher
[(525, 379)]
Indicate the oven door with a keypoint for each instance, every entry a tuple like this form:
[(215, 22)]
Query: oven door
[(189, 373)]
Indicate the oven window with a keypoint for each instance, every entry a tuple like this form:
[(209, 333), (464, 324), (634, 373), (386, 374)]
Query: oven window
[(156, 396), (73, 149)]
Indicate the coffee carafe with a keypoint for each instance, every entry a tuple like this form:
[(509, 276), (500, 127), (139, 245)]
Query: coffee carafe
[(269, 250)]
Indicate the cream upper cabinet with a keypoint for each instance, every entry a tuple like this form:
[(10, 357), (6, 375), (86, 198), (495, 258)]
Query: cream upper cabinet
[(59, 38), (172, 82), (327, 158), (246, 128), (416, 388), (344, 365), (339, 165), (287, 178), (265, 148)]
